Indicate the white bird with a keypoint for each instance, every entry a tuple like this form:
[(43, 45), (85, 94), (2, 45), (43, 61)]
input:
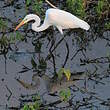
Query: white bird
[(56, 17)]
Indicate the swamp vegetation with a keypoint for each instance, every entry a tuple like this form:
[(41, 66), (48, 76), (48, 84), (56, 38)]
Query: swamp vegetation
[(50, 71)]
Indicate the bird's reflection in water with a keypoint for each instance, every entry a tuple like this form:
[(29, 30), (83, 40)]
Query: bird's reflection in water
[(52, 84)]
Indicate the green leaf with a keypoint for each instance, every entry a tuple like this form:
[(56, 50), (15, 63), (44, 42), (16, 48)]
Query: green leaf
[(28, 2), (19, 36), (31, 107), (60, 73), (26, 107), (37, 105), (3, 24), (4, 42), (68, 93), (12, 38), (37, 6), (38, 46), (107, 25), (36, 97), (99, 8), (67, 73), (33, 63), (65, 94), (76, 7), (42, 64)]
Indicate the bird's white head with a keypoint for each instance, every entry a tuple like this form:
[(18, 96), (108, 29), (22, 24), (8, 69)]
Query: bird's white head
[(28, 18)]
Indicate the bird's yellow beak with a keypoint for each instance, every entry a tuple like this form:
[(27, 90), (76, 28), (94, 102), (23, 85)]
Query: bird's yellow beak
[(19, 25)]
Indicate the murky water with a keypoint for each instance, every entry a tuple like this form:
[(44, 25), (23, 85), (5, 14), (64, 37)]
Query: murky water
[(93, 60)]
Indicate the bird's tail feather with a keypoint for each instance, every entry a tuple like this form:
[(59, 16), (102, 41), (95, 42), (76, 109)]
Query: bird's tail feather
[(84, 25)]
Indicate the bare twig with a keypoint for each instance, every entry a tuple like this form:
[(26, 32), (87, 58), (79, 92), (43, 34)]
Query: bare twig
[(50, 4)]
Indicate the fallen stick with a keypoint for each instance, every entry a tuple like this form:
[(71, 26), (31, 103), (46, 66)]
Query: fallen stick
[(50, 4)]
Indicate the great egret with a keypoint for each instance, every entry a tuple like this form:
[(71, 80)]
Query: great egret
[(56, 17)]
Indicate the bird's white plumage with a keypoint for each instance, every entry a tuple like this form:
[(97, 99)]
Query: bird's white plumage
[(59, 18), (65, 19)]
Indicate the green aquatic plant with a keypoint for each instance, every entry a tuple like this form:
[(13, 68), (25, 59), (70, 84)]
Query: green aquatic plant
[(65, 94), (102, 7), (26, 107), (34, 64), (28, 2), (19, 36), (36, 5), (4, 45), (4, 42), (107, 25), (76, 7), (42, 64), (13, 37), (64, 71), (3, 24), (38, 46), (35, 105)]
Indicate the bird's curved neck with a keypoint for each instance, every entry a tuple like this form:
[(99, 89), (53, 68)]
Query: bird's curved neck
[(37, 28)]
